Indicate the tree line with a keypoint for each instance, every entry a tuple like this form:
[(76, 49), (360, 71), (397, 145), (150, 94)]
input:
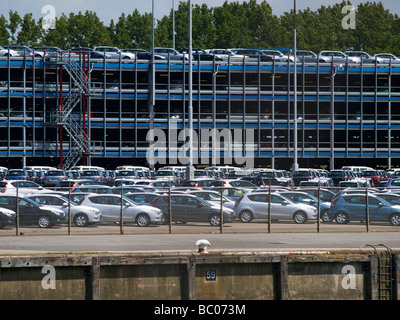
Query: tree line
[(231, 25)]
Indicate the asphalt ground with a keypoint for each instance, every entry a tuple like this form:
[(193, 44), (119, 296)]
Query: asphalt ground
[(235, 236)]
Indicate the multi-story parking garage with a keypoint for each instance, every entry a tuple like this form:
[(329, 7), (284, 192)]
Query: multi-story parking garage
[(62, 112)]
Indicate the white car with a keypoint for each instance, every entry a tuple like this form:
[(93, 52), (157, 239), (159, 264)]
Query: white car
[(22, 186), (110, 207), (337, 57), (82, 216), (171, 53), (386, 58), (256, 205), (226, 54), (8, 52), (115, 53)]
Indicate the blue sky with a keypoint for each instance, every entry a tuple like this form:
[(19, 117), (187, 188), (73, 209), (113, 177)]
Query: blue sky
[(108, 10)]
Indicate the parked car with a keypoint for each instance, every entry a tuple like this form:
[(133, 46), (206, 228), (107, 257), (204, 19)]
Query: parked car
[(52, 177), (114, 52), (200, 54), (71, 184), (227, 54), (25, 51), (200, 183), (256, 205), (17, 174), (392, 184), (130, 189), (360, 56), (306, 198), (325, 195), (257, 54), (189, 208), (213, 197), (127, 174), (386, 58), (304, 175), (352, 207), (81, 215), (92, 54), (93, 189), (337, 57), (170, 53), (8, 52), (278, 55), (373, 175), (7, 217), (307, 56), (142, 198), (94, 175), (110, 207), (32, 213), (36, 176), (231, 193), (23, 186), (143, 54), (338, 175)]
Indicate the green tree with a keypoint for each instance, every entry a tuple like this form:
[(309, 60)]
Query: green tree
[(13, 25), (4, 34), (31, 31)]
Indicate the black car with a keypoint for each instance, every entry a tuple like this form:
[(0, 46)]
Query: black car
[(338, 175), (31, 212), (7, 217), (189, 208), (89, 52), (255, 53), (201, 54)]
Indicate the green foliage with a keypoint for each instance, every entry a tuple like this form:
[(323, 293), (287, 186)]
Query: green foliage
[(231, 25)]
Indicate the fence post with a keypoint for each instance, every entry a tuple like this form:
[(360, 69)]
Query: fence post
[(121, 223), (17, 218), (170, 209), (221, 219), (319, 206), (366, 205), (269, 207), (69, 211)]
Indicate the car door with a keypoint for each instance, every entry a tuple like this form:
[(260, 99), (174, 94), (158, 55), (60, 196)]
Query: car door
[(356, 207), (259, 205), (377, 210), (196, 210), (28, 212), (103, 204), (280, 208), (178, 208)]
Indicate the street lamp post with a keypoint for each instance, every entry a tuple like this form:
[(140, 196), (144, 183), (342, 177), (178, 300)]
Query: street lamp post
[(189, 168), (295, 162)]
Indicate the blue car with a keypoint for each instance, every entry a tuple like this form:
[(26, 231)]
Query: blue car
[(305, 198), (17, 174), (352, 207)]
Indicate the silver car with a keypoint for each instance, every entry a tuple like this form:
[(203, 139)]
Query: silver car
[(110, 207), (256, 206), (82, 216)]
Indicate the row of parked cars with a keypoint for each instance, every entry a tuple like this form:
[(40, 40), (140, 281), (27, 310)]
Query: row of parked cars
[(233, 195), (234, 55)]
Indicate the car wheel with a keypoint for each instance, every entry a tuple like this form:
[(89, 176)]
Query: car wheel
[(81, 220), (246, 216), (44, 222), (325, 216), (299, 217), (143, 220), (395, 219), (341, 218), (215, 220)]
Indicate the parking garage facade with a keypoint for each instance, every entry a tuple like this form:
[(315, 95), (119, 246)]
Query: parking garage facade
[(66, 111)]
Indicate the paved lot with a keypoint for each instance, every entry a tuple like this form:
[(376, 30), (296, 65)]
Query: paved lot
[(237, 236)]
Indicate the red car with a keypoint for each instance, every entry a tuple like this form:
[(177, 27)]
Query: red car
[(373, 175)]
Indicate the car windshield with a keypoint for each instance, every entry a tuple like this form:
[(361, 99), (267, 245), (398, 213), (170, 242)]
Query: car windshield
[(370, 173)]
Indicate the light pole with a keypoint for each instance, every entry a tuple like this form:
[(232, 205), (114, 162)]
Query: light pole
[(189, 168), (295, 163)]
